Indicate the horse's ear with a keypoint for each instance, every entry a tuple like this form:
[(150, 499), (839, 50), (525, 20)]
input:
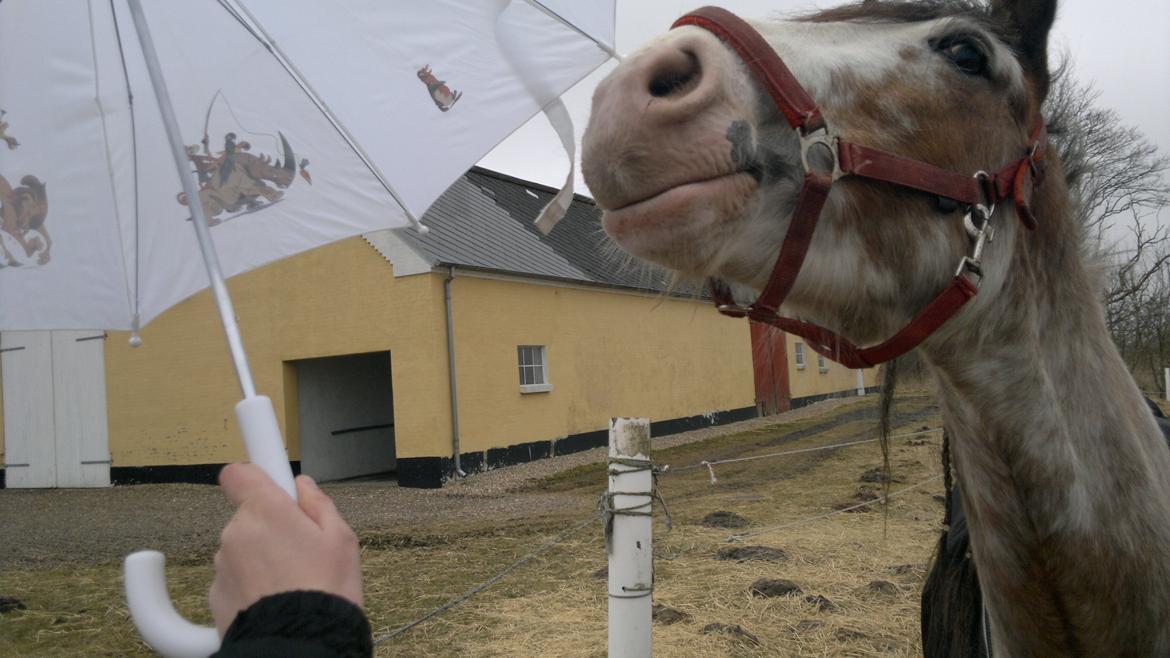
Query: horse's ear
[(1031, 20)]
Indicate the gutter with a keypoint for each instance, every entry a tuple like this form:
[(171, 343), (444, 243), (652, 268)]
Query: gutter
[(451, 371)]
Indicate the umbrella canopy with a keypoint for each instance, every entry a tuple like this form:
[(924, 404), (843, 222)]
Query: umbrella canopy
[(304, 123), (293, 123)]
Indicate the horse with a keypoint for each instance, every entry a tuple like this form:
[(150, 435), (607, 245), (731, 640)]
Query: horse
[(879, 176)]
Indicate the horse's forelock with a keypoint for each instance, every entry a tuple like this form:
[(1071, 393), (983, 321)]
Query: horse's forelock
[(913, 11)]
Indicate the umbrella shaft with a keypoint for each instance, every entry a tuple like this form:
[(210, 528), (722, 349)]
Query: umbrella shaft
[(174, 138)]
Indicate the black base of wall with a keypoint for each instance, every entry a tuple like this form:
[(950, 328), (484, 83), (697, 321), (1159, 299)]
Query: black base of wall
[(797, 403), (181, 474), (432, 472)]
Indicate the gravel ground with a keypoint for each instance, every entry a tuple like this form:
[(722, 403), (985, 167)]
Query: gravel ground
[(93, 526)]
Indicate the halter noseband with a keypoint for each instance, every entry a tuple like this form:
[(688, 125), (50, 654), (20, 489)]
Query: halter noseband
[(978, 193)]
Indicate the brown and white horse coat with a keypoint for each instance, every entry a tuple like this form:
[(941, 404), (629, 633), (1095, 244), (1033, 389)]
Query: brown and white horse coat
[(1065, 475)]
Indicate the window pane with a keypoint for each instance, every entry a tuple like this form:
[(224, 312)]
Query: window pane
[(523, 355), (538, 355), (537, 375)]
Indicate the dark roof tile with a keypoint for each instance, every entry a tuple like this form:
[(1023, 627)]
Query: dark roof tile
[(485, 220)]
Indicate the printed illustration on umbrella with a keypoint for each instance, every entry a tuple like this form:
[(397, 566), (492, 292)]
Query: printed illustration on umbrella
[(233, 180), (23, 209), (441, 94)]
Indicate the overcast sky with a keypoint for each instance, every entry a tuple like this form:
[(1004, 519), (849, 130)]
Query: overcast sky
[(1121, 47)]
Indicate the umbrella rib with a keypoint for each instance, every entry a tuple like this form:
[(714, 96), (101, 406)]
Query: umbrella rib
[(256, 30), (136, 301), (609, 50)]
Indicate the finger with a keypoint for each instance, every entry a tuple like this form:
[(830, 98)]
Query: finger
[(243, 481), (221, 611), (315, 503)]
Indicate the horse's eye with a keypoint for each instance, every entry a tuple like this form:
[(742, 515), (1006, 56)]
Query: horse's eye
[(964, 54)]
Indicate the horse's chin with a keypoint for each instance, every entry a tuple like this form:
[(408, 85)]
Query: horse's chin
[(680, 227)]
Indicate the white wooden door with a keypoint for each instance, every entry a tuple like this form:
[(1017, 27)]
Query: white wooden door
[(30, 452), (79, 395), (55, 424)]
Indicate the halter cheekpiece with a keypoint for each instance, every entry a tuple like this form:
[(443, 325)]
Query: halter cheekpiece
[(978, 193)]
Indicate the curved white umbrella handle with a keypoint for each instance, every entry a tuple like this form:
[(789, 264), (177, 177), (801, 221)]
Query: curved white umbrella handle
[(157, 621), (146, 587)]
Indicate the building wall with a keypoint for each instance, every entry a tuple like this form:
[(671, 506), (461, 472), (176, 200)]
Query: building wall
[(171, 401), (608, 354), (810, 383)]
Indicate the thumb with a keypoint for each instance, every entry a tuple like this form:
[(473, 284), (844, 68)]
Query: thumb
[(315, 503)]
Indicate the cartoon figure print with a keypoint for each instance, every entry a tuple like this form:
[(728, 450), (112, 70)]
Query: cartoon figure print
[(23, 211), (10, 141), (235, 181), (441, 94)]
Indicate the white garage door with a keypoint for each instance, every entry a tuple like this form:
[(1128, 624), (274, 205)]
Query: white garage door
[(55, 426)]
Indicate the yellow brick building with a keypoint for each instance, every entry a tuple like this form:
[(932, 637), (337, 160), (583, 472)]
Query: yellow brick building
[(550, 337)]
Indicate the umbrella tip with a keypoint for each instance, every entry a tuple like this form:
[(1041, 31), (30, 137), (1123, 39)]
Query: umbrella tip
[(423, 229), (135, 339)]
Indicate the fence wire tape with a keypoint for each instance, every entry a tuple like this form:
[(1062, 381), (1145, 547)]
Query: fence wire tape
[(800, 522), (490, 581), (710, 464)]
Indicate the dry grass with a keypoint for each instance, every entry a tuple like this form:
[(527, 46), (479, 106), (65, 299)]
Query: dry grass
[(555, 607)]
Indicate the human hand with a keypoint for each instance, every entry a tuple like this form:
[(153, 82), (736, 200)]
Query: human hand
[(274, 544)]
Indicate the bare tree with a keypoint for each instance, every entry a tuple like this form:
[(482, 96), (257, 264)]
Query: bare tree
[(1113, 169), (1120, 182)]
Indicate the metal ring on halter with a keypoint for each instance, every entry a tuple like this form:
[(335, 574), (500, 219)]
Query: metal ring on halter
[(820, 137), (984, 226), (985, 186), (982, 210)]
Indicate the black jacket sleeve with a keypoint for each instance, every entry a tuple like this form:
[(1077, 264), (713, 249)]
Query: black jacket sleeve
[(299, 625)]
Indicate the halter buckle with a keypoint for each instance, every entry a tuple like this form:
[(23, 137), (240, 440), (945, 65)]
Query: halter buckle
[(821, 137), (981, 234), (971, 266), (733, 310)]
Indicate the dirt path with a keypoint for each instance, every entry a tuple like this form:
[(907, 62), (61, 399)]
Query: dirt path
[(98, 526)]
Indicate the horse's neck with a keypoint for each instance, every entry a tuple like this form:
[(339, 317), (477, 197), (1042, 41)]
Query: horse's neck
[(1066, 477)]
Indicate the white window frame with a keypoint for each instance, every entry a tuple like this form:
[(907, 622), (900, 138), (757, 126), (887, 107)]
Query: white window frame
[(538, 382), (822, 365), (798, 350)]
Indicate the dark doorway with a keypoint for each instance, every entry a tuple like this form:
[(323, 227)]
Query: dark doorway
[(346, 415)]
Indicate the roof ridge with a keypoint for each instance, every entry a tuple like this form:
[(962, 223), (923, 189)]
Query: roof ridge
[(507, 178)]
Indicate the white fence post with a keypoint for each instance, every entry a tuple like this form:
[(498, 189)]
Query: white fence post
[(860, 382), (629, 506)]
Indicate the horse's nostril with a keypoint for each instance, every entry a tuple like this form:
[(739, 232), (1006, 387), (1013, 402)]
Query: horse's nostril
[(675, 75)]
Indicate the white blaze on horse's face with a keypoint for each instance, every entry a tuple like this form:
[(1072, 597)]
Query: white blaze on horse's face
[(698, 171)]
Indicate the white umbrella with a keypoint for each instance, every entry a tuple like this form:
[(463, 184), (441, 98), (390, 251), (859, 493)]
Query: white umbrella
[(288, 124)]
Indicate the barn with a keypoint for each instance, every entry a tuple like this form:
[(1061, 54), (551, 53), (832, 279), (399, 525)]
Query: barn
[(481, 344)]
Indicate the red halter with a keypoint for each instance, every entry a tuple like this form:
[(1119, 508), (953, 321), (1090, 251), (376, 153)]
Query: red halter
[(979, 193)]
